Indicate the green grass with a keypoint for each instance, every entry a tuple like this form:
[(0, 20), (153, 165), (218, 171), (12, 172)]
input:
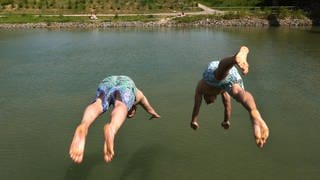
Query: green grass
[(28, 18), (280, 13), (98, 6)]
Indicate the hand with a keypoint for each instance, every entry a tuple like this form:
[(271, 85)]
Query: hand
[(194, 125), (226, 124)]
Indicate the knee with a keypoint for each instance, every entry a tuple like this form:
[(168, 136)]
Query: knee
[(239, 94)]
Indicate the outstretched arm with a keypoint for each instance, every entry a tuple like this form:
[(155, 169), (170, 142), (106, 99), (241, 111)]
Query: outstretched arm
[(143, 101), (196, 107), (226, 100)]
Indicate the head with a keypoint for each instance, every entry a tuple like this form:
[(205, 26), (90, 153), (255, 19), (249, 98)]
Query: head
[(132, 111), (209, 98)]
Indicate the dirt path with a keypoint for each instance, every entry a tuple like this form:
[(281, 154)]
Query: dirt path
[(208, 10)]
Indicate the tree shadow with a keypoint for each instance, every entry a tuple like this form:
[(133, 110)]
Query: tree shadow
[(315, 16), (273, 20), (312, 7), (314, 31)]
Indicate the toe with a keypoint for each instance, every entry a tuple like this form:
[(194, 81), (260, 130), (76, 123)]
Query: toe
[(259, 143)]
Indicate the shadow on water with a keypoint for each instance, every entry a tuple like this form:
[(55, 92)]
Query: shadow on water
[(141, 163), (314, 31), (82, 171), (139, 166)]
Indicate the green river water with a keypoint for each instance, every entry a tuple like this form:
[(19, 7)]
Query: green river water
[(47, 77)]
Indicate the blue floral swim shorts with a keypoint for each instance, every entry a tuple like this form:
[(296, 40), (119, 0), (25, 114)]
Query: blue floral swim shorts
[(112, 85), (232, 78)]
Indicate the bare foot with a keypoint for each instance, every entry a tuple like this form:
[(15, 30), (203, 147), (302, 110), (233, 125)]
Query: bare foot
[(260, 129), (108, 144), (241, 59), (226, 124), (78, 143)]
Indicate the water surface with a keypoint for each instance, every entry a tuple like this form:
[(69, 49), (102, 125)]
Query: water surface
[(48, 77)]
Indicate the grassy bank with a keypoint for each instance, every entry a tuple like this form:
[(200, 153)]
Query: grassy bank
[(30, 18), (257, 12), (280, 13)]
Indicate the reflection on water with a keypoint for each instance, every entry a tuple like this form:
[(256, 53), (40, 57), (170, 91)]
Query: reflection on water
[(48, 77)]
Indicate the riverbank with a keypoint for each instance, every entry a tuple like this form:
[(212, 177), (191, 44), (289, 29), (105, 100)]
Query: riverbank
[(168, 22), (246, 22)]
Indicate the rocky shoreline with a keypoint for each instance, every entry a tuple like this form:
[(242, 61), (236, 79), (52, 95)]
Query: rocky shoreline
[(243, 22)]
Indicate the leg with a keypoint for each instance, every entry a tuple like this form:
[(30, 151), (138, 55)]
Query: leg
[(240, 59), (118, 116), (78, 143), (260, 128)]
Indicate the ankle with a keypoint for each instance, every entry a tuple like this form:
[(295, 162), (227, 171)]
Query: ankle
[(82, 129), (254, 114)]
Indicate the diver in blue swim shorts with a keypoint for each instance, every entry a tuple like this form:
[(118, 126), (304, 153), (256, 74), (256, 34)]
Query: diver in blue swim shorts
[(119, 92), (222, 77)]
